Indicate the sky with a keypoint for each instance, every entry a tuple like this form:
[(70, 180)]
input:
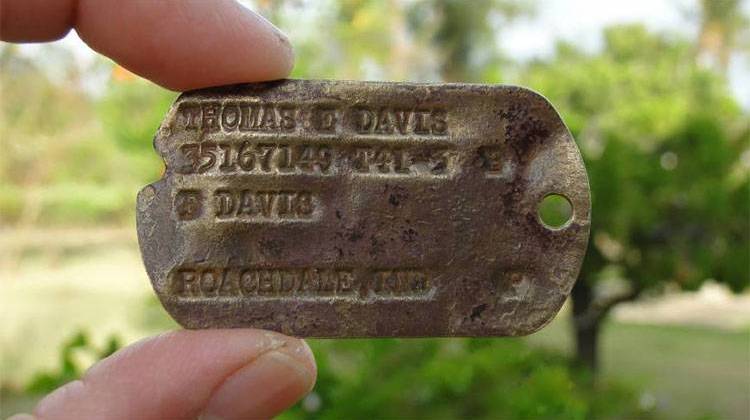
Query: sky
[(578, 21), (581, 22)]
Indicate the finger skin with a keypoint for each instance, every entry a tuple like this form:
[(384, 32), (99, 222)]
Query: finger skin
[(185, 374), (180, 45)]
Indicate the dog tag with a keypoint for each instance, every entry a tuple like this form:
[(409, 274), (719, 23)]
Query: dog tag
[(361, 209)]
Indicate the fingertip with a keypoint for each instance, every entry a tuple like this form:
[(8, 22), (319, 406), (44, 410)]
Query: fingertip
[(186, 45)]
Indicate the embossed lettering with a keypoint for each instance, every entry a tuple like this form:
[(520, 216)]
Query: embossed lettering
[(315, 282), (263, 205), (314, 159), (269, 117)]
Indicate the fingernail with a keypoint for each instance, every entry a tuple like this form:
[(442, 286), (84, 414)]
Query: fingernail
[(282, 36), (267, 385), (282, 39)]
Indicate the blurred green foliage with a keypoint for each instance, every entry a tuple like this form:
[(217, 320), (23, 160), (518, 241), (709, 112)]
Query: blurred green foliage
[(666, 147), (71, 366), (70, 157), (455, 378)]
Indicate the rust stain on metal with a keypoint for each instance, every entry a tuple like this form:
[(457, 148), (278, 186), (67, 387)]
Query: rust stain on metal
[(359, 209)]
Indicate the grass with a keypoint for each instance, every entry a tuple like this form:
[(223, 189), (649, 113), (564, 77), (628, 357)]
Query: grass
[(686, 372), (687, 369)]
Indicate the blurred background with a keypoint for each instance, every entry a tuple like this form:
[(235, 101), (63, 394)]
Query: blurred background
[(656, 93)]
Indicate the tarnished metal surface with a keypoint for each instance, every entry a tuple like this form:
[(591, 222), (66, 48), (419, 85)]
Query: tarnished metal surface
[(358, 209)]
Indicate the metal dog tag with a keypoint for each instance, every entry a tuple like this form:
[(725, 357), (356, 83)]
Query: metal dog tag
[(359, 209)]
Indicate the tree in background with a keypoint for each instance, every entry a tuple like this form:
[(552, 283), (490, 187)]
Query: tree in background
[(130, 111), (444, 40), (464, 35), (55, 166), (667, 149), (72, 156)]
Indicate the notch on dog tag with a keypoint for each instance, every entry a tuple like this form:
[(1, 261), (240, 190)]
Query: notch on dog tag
[(359, 209)]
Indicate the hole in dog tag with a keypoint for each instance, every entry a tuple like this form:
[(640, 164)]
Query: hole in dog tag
[(555, 211)]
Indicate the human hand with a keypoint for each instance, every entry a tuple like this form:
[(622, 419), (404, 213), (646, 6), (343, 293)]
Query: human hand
[(182, 374)]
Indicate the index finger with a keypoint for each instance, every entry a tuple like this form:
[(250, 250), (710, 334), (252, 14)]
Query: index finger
[(179, 45)]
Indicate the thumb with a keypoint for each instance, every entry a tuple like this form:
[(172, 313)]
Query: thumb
[(185, 374)]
